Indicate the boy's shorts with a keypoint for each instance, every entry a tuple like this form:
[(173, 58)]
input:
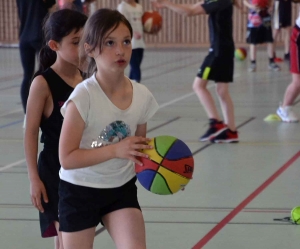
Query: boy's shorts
[(295, 50), (83, 207), (218, 68)]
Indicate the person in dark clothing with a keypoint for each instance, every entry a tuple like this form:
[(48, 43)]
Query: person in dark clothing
[(282, 17), (52, 85), (31, 15), (217, 66)]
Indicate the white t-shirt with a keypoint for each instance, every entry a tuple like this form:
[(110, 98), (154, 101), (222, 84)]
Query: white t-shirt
[(107, 124), (134, 16)]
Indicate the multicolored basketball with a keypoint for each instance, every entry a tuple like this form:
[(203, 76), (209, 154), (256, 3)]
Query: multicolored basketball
[(262, 4), (152, 22), (168, 169), (240, 54)]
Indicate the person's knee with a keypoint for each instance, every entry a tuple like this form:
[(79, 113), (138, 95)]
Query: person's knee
[(222, 91), (199, 84)]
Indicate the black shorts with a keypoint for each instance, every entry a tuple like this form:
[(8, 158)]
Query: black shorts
[(259, 35), (282, 15), (83, 207), (218, 68), (48, 168)]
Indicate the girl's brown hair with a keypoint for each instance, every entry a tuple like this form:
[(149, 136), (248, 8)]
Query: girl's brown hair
[(95, 32)]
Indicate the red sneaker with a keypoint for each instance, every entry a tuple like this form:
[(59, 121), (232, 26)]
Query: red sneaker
[(277, 59), (214, 129), (226, 136)]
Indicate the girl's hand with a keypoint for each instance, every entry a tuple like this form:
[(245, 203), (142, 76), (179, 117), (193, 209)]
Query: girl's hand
[(37, 192), (130, 147)]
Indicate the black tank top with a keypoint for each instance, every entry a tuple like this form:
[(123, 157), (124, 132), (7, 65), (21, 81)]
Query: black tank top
[(51, 126)]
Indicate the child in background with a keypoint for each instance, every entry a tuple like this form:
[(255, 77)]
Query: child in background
[(259, 30), (285, 111), (104, 131), (282, 17), (53, 83), (218, 65), (134, 12)]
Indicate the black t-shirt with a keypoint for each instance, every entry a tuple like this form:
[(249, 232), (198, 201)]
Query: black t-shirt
[(220, 24), (31, 14)]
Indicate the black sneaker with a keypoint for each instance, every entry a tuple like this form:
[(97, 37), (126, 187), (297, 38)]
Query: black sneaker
[(226, 136), (287, 57), (215, 127)]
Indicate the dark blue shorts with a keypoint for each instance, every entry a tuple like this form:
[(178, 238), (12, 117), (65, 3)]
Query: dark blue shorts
[(83, 207)]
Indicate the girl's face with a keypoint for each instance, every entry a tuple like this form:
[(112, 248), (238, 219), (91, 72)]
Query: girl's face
[(68, 48), (116, 50)]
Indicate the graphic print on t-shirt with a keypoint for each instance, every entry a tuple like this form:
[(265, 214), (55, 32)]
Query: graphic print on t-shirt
[(112, 133)]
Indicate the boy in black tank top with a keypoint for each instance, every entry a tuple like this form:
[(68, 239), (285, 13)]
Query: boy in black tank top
[(217, 66)]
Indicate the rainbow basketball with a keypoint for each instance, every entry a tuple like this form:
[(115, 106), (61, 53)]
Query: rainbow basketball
[(152, 22), (240, 54), (168, 169)]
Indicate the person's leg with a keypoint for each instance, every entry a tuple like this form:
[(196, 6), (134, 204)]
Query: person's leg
[(285, 111), (276, 32), (83, 239), (205, 97), (58, 239), (135, 64), (292, 91), (230, 134), (252, 49), (272, 65), (226, 103), (28, 56), (208, 103), (252, 54), (286, 40), (127, 228)]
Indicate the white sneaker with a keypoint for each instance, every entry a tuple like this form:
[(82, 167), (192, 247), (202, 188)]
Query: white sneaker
[(287, 115), (252, 67)]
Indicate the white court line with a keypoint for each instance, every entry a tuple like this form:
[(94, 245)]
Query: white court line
[(11, 112), (12, 165), (161, 106)]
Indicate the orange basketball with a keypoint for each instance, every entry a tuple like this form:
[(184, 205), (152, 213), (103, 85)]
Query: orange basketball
[(152, 22)]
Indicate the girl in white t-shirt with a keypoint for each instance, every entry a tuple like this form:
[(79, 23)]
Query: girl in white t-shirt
[(133, 11), (104, 130)]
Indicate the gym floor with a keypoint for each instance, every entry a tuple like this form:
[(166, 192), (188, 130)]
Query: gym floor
[(237, 189)]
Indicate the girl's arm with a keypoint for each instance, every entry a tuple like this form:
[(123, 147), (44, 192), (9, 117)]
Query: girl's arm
[(250, 6), (183, 9), (38, 95), (73, 157)]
